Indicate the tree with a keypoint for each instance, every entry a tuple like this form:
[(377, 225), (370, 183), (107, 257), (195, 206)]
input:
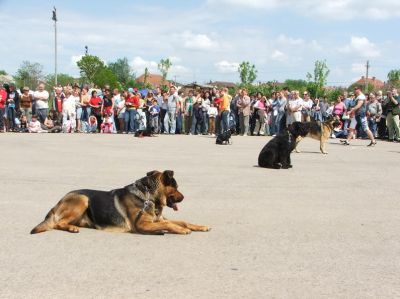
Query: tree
[(62, 79), (247, 72), (300, 85), (3, 72), (317, 82), (89, 66), (106, 76), (122, 70), (394, 78), (146, 75), (163, 66), (29, 74)]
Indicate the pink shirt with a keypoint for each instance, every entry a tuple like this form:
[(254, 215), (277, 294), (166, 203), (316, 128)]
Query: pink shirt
[(339, 108)]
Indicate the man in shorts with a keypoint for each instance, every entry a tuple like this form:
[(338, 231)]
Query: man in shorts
[(360, 117)]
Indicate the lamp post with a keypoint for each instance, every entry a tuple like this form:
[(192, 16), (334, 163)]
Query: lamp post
[(54, 18)]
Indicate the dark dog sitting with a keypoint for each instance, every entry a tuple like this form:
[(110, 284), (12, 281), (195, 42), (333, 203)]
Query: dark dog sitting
[(224, 137), (276, 153), (148, 132)]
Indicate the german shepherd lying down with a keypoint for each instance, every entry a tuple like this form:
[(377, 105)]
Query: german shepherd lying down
[(136, 208), (316, 130)]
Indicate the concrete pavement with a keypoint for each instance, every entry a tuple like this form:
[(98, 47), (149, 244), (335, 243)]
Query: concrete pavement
[(328, 228)]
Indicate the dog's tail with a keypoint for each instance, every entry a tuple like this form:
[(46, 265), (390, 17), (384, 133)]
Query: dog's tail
[(47, 224)]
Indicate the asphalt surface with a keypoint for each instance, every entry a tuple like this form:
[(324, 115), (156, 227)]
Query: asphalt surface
[(328, 228)]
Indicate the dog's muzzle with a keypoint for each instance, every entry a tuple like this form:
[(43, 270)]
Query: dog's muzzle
[(171, 203)]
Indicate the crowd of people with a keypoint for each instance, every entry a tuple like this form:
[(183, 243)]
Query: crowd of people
[(82, 109)]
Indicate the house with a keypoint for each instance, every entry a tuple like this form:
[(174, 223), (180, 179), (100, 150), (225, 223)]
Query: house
[(154, 79), (376, 83), (221, 84)]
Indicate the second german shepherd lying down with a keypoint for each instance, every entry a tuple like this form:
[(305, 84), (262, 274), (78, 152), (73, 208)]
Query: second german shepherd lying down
[(316, 130), (136, 208)]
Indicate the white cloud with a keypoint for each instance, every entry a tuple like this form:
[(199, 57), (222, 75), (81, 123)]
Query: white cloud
[(198, 41), (75, 59), (286, 40), (279, 56), (358, 68), (139, 64), (226, 66), (315, 46), (361, 46), (330, 9)]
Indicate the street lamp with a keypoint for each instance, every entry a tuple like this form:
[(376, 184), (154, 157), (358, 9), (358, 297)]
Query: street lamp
[(54, 18)]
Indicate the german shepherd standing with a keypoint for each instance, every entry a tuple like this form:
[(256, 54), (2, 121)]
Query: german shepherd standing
[(136, 208), (317, 130)]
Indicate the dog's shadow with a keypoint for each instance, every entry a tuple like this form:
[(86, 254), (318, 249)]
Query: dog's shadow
[(306, 152)]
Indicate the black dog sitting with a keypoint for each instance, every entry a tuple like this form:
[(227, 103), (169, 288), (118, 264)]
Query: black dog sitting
[(224, 137), (148, 132), (276, 153)]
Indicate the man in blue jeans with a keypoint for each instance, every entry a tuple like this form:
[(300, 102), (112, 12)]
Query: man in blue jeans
[(360, 112), (170, 117)]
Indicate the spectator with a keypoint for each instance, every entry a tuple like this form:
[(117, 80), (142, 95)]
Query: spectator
[(294, 108), (132, 103), (35, 126), (339, 108), (307, 107), (58, 101), (374, 113), (3, 101), (119, 104), (69, 110), (51, 124), (12, 107), (204, 107), (40, 105), (170, 117), (243, 105), (392, 118), (278, 112), (188, 111), (95, 104), (85, 104), (212, 114), (222, 121), (154, 115)]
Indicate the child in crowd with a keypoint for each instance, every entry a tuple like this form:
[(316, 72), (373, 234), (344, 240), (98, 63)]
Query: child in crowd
[(23, 126), (35, 126), (51, 123), (154, 113), (92, 125), (107, 125), (141, 119), (212, 114)]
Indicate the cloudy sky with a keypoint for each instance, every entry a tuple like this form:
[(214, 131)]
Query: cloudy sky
[(207, 39)]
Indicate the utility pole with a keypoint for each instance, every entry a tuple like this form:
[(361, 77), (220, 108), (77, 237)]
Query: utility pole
[(366, 77), (54, 18)]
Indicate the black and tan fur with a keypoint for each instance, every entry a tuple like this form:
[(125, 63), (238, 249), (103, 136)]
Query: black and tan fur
[(317, 130), (136, 208)]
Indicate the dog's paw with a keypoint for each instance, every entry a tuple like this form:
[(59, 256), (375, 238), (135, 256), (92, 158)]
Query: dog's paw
[(325, 153), (73, 229), (185, 232), (204, 228)]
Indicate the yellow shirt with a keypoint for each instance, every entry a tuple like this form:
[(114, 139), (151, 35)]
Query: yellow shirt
[(226, 101)]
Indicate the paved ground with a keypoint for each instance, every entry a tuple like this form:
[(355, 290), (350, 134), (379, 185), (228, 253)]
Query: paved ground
[(327, 228)]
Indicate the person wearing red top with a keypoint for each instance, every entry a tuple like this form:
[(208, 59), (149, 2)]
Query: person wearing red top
[(3, 99), (95, 104), (132, 103)]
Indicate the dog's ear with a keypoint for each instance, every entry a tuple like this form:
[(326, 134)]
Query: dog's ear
[(167, 177), (153, 172)]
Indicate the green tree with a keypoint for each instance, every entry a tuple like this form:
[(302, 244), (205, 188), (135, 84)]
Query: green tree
[(122, 70), (29, 74), (247, 72), (62, 79), (163, 66), (394, 78), (317, 82), (106, 76), (300, 85), (3, 72), (89, 66)]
